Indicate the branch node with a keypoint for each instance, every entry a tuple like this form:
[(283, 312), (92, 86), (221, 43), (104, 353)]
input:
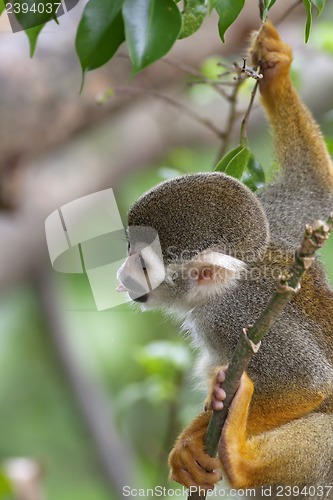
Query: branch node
[(243, 72), (307, 262), (319, 232), (308, 231), (254, 347), (284, 287)]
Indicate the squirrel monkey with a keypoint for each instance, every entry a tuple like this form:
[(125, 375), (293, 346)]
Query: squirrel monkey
[(223, 249)]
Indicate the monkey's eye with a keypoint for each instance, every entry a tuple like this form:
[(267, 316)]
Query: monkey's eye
[(142, 262)]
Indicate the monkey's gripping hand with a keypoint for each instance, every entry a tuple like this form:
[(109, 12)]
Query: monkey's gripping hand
[(274, 58), (189, 463)]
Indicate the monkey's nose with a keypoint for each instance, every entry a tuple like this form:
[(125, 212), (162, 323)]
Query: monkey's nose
[(121, 288)]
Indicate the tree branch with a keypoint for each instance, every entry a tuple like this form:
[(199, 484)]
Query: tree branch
[(243, 129), (232, 117), (169, 100), (261, 8), (249, 342)]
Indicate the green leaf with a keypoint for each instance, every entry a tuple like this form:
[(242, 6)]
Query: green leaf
[(100, 32), (6, 489), (228, 10), (212, 4), (223, 163), (31, 14), (2, 6), (319, 4), (268, 4), (193, 15), (32, 34), (234, 162), (254, 175), (307, 5), (151, 27)]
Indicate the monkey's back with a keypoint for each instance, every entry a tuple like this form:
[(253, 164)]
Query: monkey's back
[(298, 351)]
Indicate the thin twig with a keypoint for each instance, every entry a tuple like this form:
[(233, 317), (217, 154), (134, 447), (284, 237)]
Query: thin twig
[(189, 70), (261, 8), (232, 117), (169, 100), (249, 343), (243, 128), (184, 67), (243, 72), (216, 85), (241, 112)]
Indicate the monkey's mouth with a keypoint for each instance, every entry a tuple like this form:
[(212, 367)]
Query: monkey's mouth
[(142, 299), (135, 291)]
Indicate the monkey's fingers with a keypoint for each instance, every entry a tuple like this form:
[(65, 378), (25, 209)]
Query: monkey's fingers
[(219, 396), (191, 466), (270, 53), (216, 395)]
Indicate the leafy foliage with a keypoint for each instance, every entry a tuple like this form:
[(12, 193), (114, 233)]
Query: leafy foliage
[(151, 27), (268, 4), (241, 164), (228, 10), (308, 8), (234, 162), (319, 4), (30, 13), (100, 32), (193, 16), (32, 34), (254, 175)]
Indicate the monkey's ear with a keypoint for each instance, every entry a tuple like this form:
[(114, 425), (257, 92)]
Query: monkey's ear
[(214, 269)]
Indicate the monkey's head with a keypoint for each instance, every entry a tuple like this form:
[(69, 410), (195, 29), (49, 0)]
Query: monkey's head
[(210, 227)]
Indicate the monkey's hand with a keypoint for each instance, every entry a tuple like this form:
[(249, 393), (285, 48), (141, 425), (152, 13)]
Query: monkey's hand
[(273, 56), (189, 463)]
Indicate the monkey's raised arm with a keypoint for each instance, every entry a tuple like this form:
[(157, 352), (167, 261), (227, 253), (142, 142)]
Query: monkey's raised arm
[(304, 190)]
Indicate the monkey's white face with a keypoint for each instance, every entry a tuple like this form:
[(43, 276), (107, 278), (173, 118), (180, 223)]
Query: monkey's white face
[(178, 286), (142, 272)]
